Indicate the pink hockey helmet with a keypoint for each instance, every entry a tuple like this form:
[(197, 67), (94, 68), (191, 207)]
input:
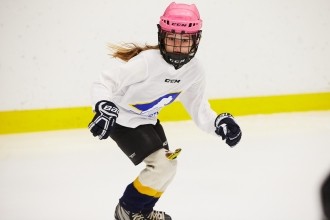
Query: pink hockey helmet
[(181, 18)]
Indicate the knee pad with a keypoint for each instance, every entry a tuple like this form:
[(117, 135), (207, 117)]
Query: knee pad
[(159, 170)]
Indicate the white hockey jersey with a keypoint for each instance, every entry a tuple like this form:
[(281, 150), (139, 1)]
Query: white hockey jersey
[(145, 84)]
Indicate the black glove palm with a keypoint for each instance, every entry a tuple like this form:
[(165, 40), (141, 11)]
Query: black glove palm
[(105, 117), (228, 129)]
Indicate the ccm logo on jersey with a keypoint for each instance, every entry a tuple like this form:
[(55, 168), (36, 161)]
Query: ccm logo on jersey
[(172, 80)]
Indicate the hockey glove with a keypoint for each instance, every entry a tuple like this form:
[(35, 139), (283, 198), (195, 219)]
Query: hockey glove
[(104, 120), (228, 129)]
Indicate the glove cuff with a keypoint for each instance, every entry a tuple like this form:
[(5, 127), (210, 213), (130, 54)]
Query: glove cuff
[(222, 116), (107, 108)]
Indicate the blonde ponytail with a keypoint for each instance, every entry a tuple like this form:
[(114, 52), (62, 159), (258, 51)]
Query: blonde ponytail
[(126, 51)]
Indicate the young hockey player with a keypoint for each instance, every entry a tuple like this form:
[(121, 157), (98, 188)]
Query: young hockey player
[(127, 99)]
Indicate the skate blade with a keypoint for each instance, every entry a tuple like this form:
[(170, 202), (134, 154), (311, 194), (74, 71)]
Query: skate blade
[(173, 155)]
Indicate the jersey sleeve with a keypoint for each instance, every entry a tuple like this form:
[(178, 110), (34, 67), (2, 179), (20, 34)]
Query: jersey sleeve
[(118, 78), (198, 107)]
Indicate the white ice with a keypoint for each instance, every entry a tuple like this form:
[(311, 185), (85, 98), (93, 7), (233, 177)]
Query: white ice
[(273, 174)]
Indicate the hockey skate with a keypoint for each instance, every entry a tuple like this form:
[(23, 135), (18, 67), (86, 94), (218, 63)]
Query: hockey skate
[(123, 214)]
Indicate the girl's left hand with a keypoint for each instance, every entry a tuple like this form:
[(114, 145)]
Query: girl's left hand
[(228, 129)]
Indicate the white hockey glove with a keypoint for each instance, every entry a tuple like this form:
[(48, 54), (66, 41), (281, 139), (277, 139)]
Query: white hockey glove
[(104, 120), (228, 129)]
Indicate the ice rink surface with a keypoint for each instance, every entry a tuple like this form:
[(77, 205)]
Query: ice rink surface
[(273, 174)]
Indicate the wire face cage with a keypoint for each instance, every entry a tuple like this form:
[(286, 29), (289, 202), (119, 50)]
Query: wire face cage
[(178, 49)]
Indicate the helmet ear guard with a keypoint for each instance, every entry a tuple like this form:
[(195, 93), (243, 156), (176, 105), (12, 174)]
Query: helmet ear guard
[(178, 20)]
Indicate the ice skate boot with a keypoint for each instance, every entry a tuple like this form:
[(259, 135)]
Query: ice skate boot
[(123, 214), (157, 215)]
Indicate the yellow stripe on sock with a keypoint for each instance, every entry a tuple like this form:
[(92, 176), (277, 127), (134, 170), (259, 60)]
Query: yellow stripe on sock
[(79, 117), (146, 190)]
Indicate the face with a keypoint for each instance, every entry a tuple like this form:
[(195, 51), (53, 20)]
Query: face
[(178, 43)]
